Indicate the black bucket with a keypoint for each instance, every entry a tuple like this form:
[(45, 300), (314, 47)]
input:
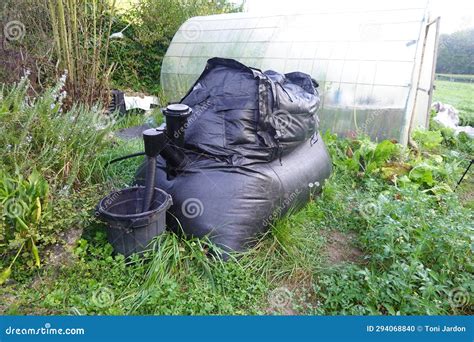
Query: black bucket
[(130, 230)]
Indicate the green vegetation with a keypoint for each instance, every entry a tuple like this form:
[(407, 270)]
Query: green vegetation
[(459, 95), (455, 53), (456, 77), (81, 46), (53, 36), (148, 29), (388, 235)]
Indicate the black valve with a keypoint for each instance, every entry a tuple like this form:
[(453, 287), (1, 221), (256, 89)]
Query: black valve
[(153, 140), (176, 118)]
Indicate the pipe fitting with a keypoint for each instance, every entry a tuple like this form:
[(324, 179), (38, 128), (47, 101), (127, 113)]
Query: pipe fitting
[(176, 115)]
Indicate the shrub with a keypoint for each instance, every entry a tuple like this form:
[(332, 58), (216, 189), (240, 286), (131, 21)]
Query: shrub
[(51, 36), (47, 154), (36, 133), (149, 29)]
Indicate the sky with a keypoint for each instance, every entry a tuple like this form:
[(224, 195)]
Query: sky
[(455, 14)]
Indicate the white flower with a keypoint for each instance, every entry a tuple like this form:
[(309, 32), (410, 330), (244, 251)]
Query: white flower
[(63, 77), (64, 190)]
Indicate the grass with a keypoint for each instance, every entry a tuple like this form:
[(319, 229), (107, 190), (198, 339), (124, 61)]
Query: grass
[(387, 236), (459, 95), (457, 77)]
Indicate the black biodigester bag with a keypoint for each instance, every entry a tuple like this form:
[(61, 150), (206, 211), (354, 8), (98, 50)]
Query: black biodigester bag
[(253, 152)]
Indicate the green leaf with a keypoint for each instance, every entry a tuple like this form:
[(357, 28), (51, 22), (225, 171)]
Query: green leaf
[(38, 210), (384, 151), (428, 139), (422, 174), (22, 223), (5, 275), (34, 249), (392, 170)]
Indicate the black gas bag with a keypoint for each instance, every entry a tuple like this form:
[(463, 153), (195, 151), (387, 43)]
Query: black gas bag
[(252, 152), (249, 116)]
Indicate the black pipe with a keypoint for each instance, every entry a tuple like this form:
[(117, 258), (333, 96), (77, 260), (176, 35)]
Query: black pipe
[(124, 157), (149, 183), (174, 156), (464, 174), (168, 145), (151, 139)]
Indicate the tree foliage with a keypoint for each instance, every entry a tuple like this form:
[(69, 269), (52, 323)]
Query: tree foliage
[(148, 30), (455, 54)]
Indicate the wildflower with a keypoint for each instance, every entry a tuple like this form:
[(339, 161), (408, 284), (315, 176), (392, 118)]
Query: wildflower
[(63, 77), (62, 96), (64, 191)]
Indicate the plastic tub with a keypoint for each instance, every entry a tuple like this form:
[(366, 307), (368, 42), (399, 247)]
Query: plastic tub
[(130, 230)]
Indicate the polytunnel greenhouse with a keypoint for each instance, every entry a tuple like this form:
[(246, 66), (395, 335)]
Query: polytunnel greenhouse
[(375, 67)]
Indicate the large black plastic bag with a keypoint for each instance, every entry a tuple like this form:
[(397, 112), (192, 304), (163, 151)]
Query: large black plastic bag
[(248, 116), (253, 153)]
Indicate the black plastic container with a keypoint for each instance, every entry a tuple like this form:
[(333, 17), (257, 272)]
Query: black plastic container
[(130, 230)]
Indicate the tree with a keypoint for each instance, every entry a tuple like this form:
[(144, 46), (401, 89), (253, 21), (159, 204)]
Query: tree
[(455, 54)]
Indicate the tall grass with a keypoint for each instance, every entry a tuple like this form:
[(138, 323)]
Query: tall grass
[(81, 31)]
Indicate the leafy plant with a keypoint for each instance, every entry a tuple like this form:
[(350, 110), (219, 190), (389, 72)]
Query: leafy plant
[(24, 203), (38, 133), (148, 29), (428, 139)]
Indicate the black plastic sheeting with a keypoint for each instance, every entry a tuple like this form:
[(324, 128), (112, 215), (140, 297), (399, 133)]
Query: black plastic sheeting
[(253, 153)]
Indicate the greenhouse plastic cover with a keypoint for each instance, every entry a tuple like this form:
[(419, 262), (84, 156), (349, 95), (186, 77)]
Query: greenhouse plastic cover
[(374, 64)]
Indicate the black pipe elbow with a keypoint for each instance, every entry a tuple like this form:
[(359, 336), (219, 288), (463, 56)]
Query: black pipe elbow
[(157, 142)]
